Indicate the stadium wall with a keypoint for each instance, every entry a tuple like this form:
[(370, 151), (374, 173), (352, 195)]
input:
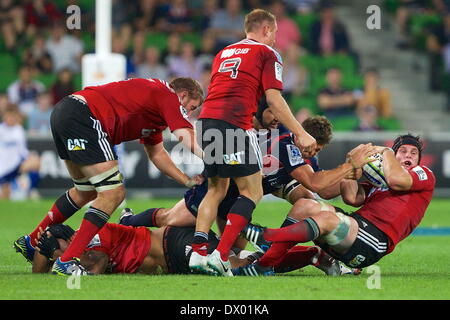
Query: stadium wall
[(144, 180)]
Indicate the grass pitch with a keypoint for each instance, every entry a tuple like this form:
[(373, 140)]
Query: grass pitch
[(418, 268)]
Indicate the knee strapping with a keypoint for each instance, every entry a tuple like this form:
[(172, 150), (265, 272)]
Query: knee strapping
[(107, 180), (83, 184), (340, 232)]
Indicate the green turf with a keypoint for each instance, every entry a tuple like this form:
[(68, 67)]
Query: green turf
[(418, 269)]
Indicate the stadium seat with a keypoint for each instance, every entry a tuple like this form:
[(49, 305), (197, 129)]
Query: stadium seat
[(157, 39), (419, 24), (304, 22), (389, 124), (391, 5), (46, 79), (77, 81), (344, 123), (88, 41), (194, 38), (304, 101), (8, 68)]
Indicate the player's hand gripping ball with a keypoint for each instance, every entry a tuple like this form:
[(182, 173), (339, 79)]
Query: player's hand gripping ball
[(374, 173)]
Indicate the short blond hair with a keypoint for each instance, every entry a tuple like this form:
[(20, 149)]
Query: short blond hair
[(256, 17), (193, 87)]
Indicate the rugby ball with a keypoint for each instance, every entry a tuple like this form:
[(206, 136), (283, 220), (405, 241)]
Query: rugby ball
[(373, 171)]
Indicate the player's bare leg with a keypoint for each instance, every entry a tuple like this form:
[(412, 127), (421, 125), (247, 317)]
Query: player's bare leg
[(207, 213), (179, 216), (250, 190)]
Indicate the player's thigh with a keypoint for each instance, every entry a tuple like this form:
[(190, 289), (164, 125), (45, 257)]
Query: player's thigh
[(250, 186), (179, 216)]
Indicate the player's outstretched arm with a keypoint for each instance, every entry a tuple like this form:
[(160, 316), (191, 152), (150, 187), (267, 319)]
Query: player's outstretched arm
[(281, 110), (159, 156)]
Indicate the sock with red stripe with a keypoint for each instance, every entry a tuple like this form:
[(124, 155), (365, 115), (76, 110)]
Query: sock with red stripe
[(94, 220), (200, 243), (296, 258), (238, 217), (63, 208), (303, 231)]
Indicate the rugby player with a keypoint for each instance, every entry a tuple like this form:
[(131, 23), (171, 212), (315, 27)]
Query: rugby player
[(241, 74), (123, 249), (85, 127), (387, 216)]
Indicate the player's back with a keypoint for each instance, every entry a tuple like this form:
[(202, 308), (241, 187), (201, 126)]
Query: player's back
[(126, 108), (240, 74), (126, 246)]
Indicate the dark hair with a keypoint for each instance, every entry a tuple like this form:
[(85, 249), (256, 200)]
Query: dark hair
[(193, 87), (320, 128), (255, 18), (410, 140)]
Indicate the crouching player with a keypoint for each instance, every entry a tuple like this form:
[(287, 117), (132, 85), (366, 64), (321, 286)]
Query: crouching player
[(387, 216)]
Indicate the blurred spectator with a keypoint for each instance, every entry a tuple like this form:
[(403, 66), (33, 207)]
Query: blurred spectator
[(368, 116), (24, 91), (152, 68), (138, 54), (288, 32), (14, 155), (39, 118), (294, 76), (41, 13), (204, 16), (37, 56), (328, 35), (119, 13), (334, 100), (186, 64), (438, 44), (65, 50), (302, 6), (173, 48), (5, 104), (12, 23), (150, 15), (205, 79), (404, 11), (63, 86), (226, 24), (119, 45), (442, 6), (208, 50), (374, 95), (179, 17)]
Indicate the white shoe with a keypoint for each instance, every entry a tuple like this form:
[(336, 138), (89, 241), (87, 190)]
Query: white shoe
[(215, 262), (198, 265), (125, 213)]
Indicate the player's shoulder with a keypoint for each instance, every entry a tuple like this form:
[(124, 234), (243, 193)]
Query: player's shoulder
[(423, 172), (251, 47)]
